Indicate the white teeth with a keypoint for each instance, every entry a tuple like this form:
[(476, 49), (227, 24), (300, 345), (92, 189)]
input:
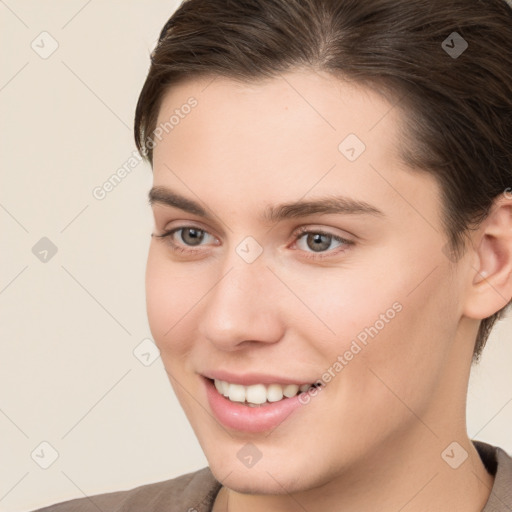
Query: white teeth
[(290, 390), (258, 394), (274, 393), (236, 393)]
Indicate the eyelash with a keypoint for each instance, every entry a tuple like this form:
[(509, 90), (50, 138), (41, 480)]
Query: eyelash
[(297, 236)]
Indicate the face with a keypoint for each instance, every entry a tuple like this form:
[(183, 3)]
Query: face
[(298, 255)]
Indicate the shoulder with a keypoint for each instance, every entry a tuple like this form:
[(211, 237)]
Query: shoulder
[(194, 492), (498, 463)]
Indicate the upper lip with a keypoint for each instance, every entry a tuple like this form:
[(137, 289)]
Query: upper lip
[(248, 379)]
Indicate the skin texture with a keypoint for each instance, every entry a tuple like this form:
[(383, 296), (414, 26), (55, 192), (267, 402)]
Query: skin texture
[(372, 439)]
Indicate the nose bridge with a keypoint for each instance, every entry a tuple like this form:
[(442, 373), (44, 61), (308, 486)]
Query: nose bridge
[(240, 306)]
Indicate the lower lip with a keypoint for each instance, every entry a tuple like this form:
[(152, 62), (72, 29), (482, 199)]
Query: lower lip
[(236, 416)]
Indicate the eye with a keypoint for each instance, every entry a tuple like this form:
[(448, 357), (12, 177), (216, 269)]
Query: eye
[(319, 242), (189, 236)]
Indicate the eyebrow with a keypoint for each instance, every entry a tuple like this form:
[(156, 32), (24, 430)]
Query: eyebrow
[(302, 208)]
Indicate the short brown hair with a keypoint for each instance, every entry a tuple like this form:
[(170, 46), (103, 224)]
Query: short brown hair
[(458, 108)]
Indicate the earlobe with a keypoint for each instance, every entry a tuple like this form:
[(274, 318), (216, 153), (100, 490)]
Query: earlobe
[(491, 276)]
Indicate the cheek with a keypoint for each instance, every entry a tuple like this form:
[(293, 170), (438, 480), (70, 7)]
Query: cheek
[(343, 301), (406, 361), (169, 297), (158, 301), (384, 316)]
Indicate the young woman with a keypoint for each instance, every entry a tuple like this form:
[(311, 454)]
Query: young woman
[(332, 246)]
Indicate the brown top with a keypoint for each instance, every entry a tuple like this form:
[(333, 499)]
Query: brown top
[(196, 492)]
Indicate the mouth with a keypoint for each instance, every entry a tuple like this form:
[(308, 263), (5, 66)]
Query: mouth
[(256, 407), (259, 395)]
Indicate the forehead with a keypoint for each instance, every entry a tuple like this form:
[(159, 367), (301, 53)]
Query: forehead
[(317, 98), (295, 116)]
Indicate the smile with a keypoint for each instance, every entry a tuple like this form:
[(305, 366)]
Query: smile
[(257, 395)]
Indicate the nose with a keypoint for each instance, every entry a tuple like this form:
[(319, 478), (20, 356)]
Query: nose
[(243, 307)]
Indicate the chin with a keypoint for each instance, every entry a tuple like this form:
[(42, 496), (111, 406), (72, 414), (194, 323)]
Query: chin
[(261, 482), (263, 478)]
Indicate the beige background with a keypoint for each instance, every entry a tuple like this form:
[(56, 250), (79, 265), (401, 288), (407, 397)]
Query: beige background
[(70, 325)]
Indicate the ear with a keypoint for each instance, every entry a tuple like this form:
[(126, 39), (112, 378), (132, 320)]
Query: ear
[(490, 285)]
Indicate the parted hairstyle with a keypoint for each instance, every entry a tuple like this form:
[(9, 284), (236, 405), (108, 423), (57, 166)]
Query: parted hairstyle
[(456, 102)]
